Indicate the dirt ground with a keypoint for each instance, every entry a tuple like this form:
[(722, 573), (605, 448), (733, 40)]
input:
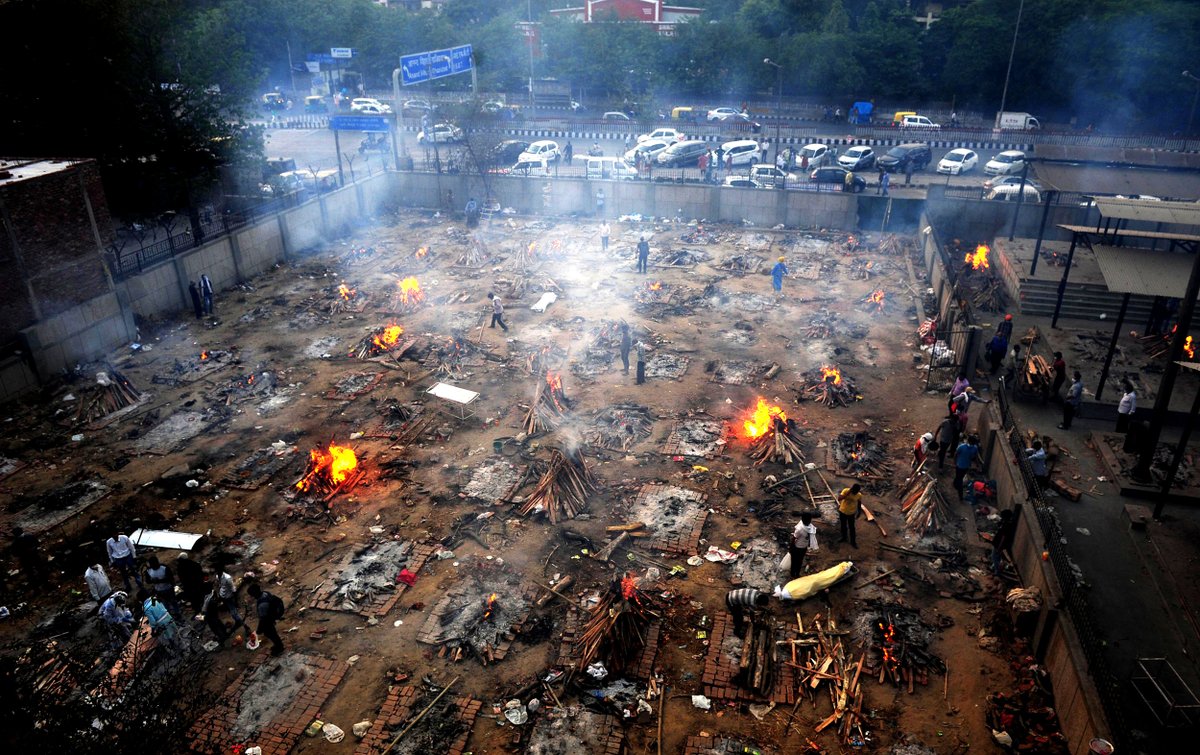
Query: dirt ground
[(279, 329)]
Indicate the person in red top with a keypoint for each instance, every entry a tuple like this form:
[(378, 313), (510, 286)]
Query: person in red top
[(924, 446)]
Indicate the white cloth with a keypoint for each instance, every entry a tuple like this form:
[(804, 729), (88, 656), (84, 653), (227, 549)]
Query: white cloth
[(97, 582), (120, 547), (1128, 403), (805, 532)]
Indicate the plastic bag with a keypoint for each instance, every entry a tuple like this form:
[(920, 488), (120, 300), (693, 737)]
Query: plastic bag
[(334, 733)]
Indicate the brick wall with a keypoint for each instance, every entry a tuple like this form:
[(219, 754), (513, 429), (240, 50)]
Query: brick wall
[(49, 244)]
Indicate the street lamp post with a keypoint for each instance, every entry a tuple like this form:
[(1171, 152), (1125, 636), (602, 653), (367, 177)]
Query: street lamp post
[(778, 103), (1011, 53), (1195, 98)]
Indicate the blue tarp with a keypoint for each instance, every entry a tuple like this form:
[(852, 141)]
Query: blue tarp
[(864, 112)]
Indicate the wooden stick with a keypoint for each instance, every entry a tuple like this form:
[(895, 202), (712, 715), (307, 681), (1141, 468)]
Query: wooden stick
[(420, 715), (661, 702), (554, 592), (874, 579)]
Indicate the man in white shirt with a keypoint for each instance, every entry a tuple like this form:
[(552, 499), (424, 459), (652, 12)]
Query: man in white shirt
[(804, 539), (497, 311), (122, 555)]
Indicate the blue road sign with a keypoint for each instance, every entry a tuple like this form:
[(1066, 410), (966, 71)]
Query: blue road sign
[(426, 66), (376, 124), (320, 57)]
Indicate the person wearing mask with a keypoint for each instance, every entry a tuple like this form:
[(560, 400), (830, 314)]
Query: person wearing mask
[(161, 582), (162, 623), (1073, 401), (206, 291), (925, 445), (643, 255), (803, 540), (269, 610), (849, 510), (1036, 456), (605, 231), (777, 274), (964, 457), (117, 618), (97, 582), (947, 438), (1127, 407), (226, 592), (1060, 376), (641, 362)]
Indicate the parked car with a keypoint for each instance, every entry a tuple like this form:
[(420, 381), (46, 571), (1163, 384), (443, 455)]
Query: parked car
[(368, 106), (669, 135), (721, 113), (1009, 193), (546, 149), (741, 119), (817, 154), (741, 152), (610, 167), (1009, 161), (769, 175), (898, 158), (616, 115), (743, 182), (648, 149), (958, 161), (529, 165), (441, 133), (857, 158), (918, 121), (992, 183), (835, 175), (492, 107), (681, 154), (416, 107), (506, 153)]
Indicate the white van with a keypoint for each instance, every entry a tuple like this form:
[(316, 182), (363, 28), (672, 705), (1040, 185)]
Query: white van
[(741, 152), (610, 167)]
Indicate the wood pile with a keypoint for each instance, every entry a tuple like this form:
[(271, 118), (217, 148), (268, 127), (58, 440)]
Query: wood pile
[(858, 455), (779, 444), (756, 666), (740, 264), (111, 392), (861, 269), (1159, 346), (986, 294), (828, 386), (924, 508), (891, 244), (542, 360), (380, 341), (548, 408), (563, 489), (620, 427), (474, 256), (1037, 375), (615, 629), (900, 642), (820, 658), (826, 324)]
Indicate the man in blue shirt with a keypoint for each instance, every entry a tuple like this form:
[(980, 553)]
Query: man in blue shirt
[(1037, 463), (117, 619), (777, 274), (964, 456)]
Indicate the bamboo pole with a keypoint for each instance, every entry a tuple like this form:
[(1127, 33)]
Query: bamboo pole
[(420, 715)]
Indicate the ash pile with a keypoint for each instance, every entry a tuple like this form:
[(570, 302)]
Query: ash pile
[(619, 427), (371, 572), (826, 324), (480, 616), (858, 455)]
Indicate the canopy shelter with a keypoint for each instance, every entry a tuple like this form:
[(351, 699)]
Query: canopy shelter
[(1097, 180)]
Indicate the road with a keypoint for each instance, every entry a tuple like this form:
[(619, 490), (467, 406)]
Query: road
[(314, 148)]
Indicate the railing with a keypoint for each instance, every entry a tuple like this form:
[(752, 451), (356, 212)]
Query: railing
[(1074, 594)]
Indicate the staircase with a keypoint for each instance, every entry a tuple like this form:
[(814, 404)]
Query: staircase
[(1085, 301)]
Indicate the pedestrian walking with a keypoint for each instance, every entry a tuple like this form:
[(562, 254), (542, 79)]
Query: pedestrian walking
[(122, 555), (97, 582), (497, 312), (879, 186), (269, 609), (641, 362), (925, 445), (605, 231), (1073, 401), (1003, 539), (849, 509), (1060, 376), (643, 255), (1036, 456), (777, 274), (226, 592), (206, 291), (194, 292), (741, 602), (117, 618), (1127, 407), (210, 610), (568, 153), (908, 171), (964, 457), (161, 581), (803, 540), (27, 549), (947, 438), (626, 346), (191, 581), (885, 182)]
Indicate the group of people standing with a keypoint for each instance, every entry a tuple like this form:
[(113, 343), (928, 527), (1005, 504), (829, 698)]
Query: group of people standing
[(201, 293)]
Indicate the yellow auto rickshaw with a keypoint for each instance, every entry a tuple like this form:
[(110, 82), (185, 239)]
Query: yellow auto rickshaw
[(315, 104)]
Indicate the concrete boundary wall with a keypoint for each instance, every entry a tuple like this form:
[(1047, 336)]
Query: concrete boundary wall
[(97, 326)]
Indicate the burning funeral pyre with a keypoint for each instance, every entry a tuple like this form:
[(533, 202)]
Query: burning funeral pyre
[(550, 404), (827, 385), (541, 360), (330, 471), (563, 489), (772, 435), (976, 285), (378, 342), (406, 297), (254, 385), (1159, 346), (858, 455), (899, 645), (876, 301), (620, 427), (616, 628), (346, 299)]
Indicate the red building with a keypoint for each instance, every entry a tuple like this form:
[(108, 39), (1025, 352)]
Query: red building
[(664, 17)]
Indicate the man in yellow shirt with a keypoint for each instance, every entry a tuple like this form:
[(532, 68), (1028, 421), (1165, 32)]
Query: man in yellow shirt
[(849, 509)]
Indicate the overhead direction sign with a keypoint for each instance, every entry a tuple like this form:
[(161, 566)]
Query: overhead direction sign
[(376, 124), (434, 64), (341, 53)]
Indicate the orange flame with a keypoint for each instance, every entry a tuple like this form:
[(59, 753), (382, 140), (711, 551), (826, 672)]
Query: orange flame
[(629, 587), (876, 297), (388, 338), (532, 248), (1188, 348), (330, 468), (422, 251), (978, 258), (250, 380), (346, 292), (203, 355), (655, 286), (886, 645), (554, 380), (410, 291), (491, 603), (831, 375), (761, 420)]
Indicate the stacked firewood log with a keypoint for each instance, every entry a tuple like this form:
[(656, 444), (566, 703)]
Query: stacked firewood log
[(563, 489)]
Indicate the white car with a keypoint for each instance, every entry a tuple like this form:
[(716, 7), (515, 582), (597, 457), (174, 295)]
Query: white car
[(857, 158), (992, 183), (769, 175), (441, 133), (1010, 161), (741, 152), (368, 105), (648, 148), (1010, 192), (918, 121), (958, 161), (669, 135), (722, 113), (743, 182), (817, 154), (545, 149), (615, 115)]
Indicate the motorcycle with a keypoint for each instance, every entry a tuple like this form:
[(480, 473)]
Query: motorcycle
[(373, 145)]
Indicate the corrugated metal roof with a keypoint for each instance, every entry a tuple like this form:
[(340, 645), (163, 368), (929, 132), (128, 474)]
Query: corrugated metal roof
[(1141, 271), (1097, 179), (1151, 158), (1129, 233), (1149, 210)]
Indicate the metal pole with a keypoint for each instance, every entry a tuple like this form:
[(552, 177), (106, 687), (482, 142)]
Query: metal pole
[(396, 118), (1011, 53), (1177, 457), (1112, 345), (1012, 231), (1062, 284), (1037, 248), (778, 104), (1195, 99), (1163, 401), (337, 147)]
